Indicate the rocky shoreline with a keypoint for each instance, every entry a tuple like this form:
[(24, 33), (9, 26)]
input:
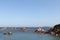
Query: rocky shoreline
[(53, 31)]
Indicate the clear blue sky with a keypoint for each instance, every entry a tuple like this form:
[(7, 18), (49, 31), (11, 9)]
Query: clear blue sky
[(29, 12)]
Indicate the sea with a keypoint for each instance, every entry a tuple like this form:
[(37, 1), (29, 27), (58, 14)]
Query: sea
[(30, 35)]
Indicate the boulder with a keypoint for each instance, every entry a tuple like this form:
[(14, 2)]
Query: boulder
[(55, 30), (8, 33)]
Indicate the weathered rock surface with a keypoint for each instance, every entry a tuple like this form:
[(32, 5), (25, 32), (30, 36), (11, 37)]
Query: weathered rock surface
[(55, 30)]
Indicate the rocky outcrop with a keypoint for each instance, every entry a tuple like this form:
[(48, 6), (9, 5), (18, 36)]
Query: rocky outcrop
[(55, 30), (8, 33), (40, 30)]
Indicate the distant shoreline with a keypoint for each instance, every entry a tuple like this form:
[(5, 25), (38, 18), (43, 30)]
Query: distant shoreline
[(18, 28)]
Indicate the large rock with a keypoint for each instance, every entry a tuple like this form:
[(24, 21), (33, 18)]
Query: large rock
[(40, 30), (55, 30)]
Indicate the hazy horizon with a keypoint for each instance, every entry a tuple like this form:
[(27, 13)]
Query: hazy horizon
[(29, 13)]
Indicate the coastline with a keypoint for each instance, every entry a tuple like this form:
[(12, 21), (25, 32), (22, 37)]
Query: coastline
[(53, 31)]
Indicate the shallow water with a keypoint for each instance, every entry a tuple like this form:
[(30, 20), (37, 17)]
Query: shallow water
[(19, 35)]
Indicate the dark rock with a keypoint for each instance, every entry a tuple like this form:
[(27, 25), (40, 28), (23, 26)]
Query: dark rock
[(55, 30)]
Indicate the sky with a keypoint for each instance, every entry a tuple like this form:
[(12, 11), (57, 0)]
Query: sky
[(29, 13)]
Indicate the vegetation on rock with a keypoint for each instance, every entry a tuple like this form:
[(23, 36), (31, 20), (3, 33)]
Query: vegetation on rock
[(55, 29)]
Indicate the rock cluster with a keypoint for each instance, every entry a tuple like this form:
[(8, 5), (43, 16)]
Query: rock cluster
[(40, 30), (8, 33)]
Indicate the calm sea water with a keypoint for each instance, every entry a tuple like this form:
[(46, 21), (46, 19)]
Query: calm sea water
[(19, 35)]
